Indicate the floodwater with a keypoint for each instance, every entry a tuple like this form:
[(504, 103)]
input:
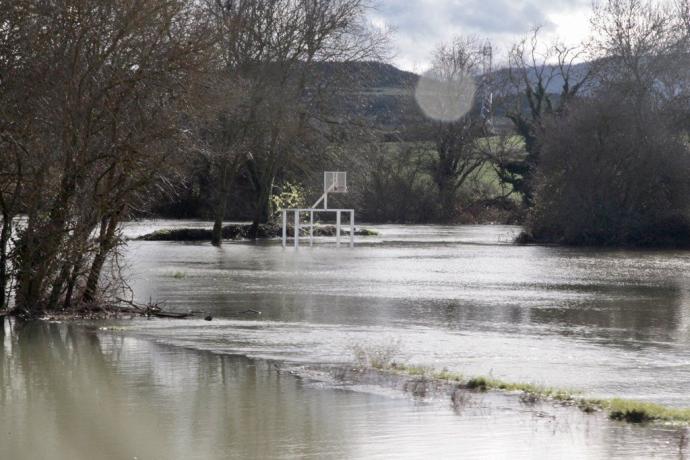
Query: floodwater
[(608, 323)]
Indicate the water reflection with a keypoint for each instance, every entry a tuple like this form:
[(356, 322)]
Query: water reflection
[(406, 278), (69, 392), (612, 323)]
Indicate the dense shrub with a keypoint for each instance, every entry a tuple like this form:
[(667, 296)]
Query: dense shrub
[(613, 172)]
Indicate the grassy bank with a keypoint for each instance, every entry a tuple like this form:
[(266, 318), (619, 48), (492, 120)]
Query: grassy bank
[(617, 409)]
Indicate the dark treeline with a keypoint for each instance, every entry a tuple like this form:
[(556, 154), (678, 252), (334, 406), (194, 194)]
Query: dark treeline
[(230, 110)]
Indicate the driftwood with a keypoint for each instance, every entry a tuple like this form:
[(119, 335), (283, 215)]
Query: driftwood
[(153, 309), (150, 309)]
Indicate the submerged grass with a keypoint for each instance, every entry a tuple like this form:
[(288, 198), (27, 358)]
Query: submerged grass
[(640, 412), (618, 409)]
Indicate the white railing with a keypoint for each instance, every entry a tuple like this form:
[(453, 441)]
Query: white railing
[(298, 225)]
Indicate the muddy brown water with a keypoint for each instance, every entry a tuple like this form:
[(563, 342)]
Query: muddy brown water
[(608, 323)]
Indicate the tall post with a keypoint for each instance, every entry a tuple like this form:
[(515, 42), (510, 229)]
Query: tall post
[(311, 228), (296, 229), (352, 228), (284, 227), (337, 228)]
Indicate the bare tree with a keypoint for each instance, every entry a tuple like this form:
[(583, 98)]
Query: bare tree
[(394, 185), (615, 167), (542, 80), (103, 86), (644, 50), (455, 156), (611, 175), (273, 49)]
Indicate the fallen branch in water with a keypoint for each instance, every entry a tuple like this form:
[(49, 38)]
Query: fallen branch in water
[(153, 309), (115, 310)]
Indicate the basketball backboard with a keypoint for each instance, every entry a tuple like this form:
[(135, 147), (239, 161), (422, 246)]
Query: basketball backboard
[(334, 182)]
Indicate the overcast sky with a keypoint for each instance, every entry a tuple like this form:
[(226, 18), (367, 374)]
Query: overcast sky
[(421, 25)]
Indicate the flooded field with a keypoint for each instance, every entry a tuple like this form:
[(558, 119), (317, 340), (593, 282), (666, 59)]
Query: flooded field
[(609, 323), (71, 392)]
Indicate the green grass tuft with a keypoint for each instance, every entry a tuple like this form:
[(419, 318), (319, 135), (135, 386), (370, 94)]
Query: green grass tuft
[(641, 412), (445, 374)]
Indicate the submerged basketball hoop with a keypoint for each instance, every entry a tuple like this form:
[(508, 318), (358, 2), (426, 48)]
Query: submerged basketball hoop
[(333, 182)]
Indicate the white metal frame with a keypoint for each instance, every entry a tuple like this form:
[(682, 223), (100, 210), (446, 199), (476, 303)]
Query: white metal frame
[(333, 182), (297, 226)]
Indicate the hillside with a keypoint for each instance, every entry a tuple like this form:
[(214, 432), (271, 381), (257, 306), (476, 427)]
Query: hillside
[(381, 96)]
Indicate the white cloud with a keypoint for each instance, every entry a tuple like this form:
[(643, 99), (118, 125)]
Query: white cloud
[(424, 24)]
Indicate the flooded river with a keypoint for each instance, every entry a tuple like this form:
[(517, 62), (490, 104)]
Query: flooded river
[(606, 322)]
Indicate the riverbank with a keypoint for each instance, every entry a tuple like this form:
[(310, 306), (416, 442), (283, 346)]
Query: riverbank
[(242, 232)]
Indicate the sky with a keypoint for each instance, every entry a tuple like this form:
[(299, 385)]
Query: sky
[(422, 25)]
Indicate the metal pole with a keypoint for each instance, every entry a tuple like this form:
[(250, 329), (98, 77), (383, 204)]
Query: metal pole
[(311, 228), (337, 228), (352, 228), (296, 228), (284, 227)]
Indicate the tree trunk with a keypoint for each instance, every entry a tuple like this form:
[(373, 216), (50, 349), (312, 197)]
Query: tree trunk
[(71, 283), (27, 292), (221, 204), (106, 244), (447, 201), (5, 234), (58, 286), (217, 235), (262, 209), (40, 249)]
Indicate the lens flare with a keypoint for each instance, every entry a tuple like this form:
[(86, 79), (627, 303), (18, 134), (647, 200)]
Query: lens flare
[(445, 97)]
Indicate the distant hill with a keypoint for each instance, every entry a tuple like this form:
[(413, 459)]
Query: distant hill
[(374, 95), (555, 84), (369, 74), (382, 96)]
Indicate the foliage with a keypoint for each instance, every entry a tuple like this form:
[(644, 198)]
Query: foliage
[(291, 196)]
